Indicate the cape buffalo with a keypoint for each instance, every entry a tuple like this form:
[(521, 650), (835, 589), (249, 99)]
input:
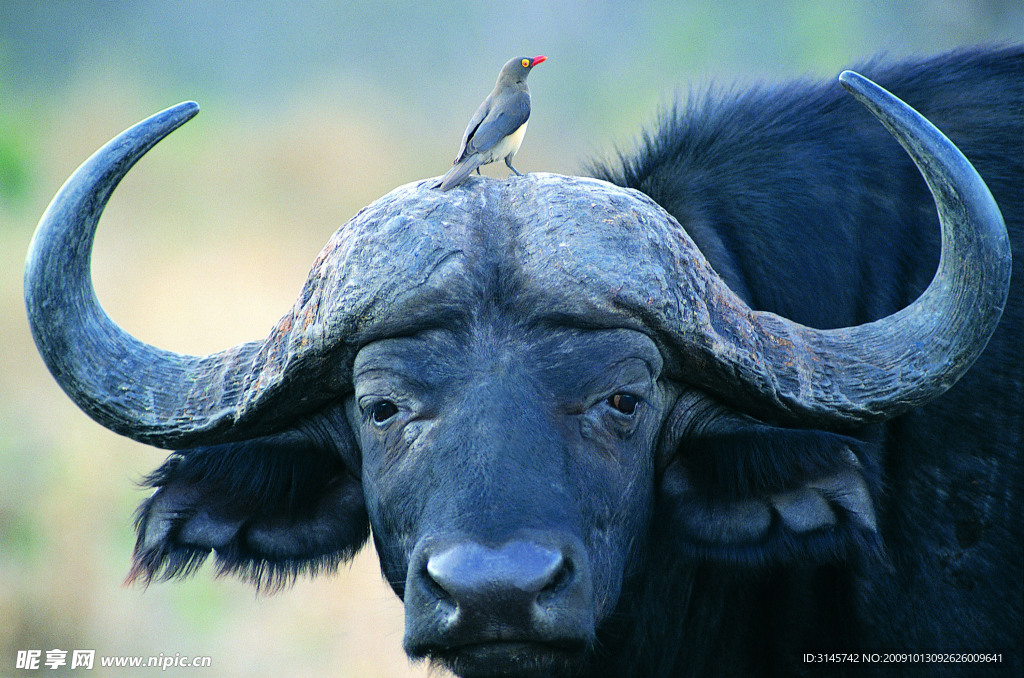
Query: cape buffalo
[(697, 419)]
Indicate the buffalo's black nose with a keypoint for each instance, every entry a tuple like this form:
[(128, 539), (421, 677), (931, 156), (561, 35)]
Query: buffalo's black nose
[(514, 574), (522, 591)]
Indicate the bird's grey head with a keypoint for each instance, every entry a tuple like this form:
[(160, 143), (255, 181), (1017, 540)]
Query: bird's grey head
[(516, 70)]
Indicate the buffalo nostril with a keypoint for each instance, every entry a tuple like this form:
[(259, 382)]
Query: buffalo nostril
[(562, 578)]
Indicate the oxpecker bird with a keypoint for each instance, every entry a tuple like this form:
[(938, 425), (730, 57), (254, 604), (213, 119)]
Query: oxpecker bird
[(497, 128)]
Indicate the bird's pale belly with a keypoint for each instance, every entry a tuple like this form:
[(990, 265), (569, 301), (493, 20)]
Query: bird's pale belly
[(507, 146)]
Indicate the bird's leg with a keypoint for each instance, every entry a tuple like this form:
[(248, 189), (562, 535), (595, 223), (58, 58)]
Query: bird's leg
[(478, 171), (508, 161)]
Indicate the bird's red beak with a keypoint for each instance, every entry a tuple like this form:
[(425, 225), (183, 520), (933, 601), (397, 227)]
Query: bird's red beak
[(538, 59)]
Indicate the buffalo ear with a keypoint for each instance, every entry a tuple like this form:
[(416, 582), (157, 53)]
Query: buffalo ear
[(735, 489), (271, 509)]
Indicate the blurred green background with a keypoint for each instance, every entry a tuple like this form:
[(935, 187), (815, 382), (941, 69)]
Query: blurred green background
[(310, 111)]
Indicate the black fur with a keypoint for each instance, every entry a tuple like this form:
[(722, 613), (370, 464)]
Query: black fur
[(272, 508), (808, 209)]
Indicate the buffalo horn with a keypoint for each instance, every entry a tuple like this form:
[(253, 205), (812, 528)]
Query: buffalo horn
[(877, 370)]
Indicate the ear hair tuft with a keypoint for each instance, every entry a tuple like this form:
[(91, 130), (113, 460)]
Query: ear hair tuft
[(271, 509)]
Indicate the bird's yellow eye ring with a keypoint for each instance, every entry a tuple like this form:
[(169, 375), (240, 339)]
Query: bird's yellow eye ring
[(526, 63)]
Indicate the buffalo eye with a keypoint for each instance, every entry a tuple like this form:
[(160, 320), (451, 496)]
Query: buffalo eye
[(624, 402), (383, 410)]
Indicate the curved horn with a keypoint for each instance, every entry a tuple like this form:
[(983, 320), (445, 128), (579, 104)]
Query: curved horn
[(132, 388), (376, 273), (640, 268), (881, 369), (404, 262)]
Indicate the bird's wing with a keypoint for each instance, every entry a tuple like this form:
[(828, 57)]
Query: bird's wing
[(474, 122), (507, 113)]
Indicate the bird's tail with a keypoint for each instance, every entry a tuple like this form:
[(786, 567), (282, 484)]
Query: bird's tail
[(462, 169)]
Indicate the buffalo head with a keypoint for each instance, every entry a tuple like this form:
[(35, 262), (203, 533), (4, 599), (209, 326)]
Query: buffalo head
[(510, 383)]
